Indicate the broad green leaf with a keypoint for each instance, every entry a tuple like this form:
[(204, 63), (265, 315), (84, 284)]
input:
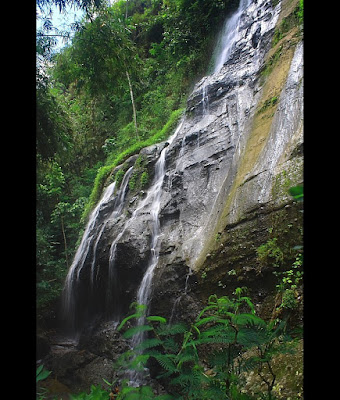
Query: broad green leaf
[(296, 192)]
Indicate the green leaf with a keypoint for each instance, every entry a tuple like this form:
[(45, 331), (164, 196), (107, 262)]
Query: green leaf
[(166, 361), (136, 315), (171, 330), (41, 373), (157, 319), (39, 370), (164, 397), (139, 362), (206, 320), (296, 192), (243, 319)]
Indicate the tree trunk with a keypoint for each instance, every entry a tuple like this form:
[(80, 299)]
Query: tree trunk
[(64, 236), (133, 105)]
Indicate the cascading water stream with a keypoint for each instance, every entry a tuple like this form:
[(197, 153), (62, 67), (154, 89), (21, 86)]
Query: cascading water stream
[(81, 254), (144, 290), (222, 52), (118, 206), (228, 36), (89, 244), (225, 45)]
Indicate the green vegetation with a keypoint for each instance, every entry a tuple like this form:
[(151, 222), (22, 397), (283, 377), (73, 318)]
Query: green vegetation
[(270, 253), (218, 355), (120, 86), (208, 358), (41, 375), (268, 103), (293, 19), (105, 171), (227, 352)]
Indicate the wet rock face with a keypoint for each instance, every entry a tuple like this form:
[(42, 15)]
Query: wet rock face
[(224, 193), (79, 364), (224, 167)]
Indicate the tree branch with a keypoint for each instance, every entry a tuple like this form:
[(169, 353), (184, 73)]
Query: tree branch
[(45, 34)]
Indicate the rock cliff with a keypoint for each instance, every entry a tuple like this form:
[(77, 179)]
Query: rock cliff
[(223, 190)]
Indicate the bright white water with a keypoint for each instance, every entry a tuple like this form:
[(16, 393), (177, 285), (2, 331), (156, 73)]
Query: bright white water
[(205, 98), (223, 49), (151, 203), (144, 290), (226, 42), (228, 37)]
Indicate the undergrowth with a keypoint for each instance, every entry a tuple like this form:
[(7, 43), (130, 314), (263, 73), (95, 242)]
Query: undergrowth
[(205, 360)]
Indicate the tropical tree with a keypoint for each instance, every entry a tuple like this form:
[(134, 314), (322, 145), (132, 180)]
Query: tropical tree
[(103, 59)]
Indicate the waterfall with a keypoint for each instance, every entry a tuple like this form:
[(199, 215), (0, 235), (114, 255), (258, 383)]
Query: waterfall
[(228, 36), (143, 294), (96, 226), (80, 256), (222, 51), (144, 290), (88, 247), (205, 98), (112, 301)]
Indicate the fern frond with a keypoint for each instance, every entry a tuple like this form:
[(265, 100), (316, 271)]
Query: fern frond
[(135, 330), (189, 379), (219, 359), (148, 344), (243, 319), (215, 390), (136, 393), (138, 363), (208, 308), (216, 331), (188, 355), (171, 345), (206, 320), (166, 361), (171, 330), (164, 375), (249, 303), (249, 336)]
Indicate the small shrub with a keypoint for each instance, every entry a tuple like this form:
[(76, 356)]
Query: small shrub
[(144, 179), (224, 330), (270, 253)]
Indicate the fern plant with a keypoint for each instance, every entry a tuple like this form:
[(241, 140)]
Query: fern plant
[(224, 330)]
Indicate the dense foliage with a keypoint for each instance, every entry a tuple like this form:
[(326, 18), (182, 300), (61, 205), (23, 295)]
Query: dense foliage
[(207, 359), (112, 90)]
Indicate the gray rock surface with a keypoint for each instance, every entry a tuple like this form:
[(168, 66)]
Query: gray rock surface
[(227, 172)]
